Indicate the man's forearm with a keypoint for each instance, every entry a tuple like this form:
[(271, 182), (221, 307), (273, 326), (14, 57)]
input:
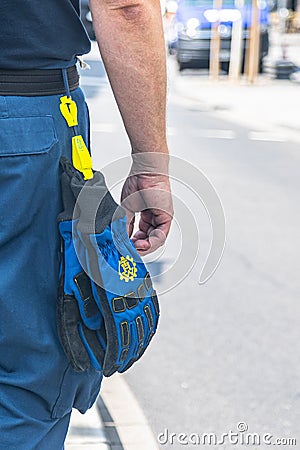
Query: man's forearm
[(130, 37)]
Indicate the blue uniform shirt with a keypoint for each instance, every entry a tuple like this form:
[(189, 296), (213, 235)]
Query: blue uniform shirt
[(37, 34)]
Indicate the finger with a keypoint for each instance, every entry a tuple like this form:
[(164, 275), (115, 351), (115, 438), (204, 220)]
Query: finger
[(130, 220), (155, 219), (156, 239), (130, 225), (142, 234), (139, 235), (142, 245)]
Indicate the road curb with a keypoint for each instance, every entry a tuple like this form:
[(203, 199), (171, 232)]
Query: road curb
[(127, 417), (86, 431)]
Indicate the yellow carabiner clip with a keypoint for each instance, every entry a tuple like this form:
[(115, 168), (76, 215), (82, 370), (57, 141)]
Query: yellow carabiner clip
[(81, 157), (68, 108)]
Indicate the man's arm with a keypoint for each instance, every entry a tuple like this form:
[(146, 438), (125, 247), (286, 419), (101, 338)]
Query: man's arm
[(130, 37)]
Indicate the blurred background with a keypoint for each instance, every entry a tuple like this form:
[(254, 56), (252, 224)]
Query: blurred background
[(226, 351)]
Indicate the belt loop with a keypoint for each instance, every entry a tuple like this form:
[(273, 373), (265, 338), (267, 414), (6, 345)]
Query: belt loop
[(3, 108), (66, 82)]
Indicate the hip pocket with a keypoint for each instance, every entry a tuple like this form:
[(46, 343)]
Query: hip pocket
[(26, 135), (29, 175), (77, 390)]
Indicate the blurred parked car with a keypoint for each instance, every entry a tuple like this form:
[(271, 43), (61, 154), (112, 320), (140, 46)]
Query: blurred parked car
[(86, 18), (193, 23)]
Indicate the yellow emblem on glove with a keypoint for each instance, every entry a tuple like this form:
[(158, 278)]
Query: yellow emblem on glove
[(127, 269)]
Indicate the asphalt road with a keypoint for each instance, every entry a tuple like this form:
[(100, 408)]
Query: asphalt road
[(227, 351)]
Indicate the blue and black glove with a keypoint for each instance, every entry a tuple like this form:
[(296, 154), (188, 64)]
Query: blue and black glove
[(78, 316), (108, 312)]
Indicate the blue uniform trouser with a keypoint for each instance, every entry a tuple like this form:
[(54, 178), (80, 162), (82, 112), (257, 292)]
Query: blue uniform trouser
[(38, 388)]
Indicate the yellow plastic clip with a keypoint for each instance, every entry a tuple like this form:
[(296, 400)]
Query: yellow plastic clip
[(82, 160), (68, 109)]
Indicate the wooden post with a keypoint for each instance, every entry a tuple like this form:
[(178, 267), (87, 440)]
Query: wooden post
[(236, 49), (254, 43), (247, 48), (215, 44)]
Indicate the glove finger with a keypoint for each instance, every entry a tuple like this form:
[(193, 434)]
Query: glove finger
[(68, 318), (88, 307), (92, 345), (111, 363), (75, 281), (146, 326)]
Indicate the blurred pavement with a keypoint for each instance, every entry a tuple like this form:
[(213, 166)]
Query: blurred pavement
[(271, 106), (86, 431)]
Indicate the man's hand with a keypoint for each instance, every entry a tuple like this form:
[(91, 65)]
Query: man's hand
[(149, 193), (131, 40)]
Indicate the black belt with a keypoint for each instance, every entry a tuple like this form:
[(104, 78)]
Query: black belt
[(37, 82)]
